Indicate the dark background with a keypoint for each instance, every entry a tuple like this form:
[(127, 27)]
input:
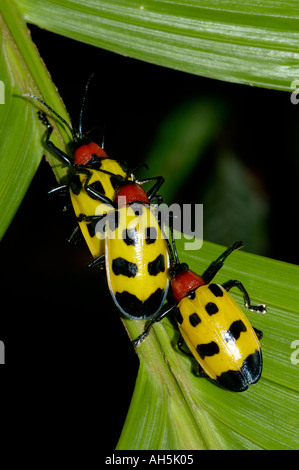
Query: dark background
[(68, 352)]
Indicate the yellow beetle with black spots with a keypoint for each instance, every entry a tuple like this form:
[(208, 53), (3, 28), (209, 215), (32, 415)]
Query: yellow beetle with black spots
[(82, 188), (85, 179), (136, 250), (213, 326)]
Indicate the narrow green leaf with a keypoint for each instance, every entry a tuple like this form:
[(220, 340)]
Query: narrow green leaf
[(21, 71), (248, 42), (169, 400)]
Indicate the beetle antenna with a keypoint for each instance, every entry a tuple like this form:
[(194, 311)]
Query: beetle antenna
[(93, 129), (174, 256), (83, 105), (102, 133), (137, 167), (54, 112), (103, 137)]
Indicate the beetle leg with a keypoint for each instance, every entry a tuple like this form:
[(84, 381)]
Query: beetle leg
[(63, 157), (152, 192), (166, 310), (180, 346), (157, 199), (99, 261), (59, 189), (258, 333), (91, 191), (262, 308), (201, 372), (214, 267), (75, 236)]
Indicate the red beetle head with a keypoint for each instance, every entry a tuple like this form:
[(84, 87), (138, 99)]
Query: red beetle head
[(84, 153), (131, 192), (183, 280)]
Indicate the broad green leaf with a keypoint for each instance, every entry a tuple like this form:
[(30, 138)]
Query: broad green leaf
[(249, 42), (182, 411)]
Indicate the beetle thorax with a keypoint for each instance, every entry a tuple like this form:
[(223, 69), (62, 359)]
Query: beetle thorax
[(84, 153), (184, 282), (131, 192)]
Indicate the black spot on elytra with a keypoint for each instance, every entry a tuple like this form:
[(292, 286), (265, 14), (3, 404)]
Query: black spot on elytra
[(137, 308), (250, 373), (157, 266), (137, 208), (91, 226), (233, 380), (234, 331), (124, 267), (194, 319), (150, 235), (211, 308), (130, 236), (113, 220), (252, 366), (216, 290), (192, 294), (208, 349), (100, 224)]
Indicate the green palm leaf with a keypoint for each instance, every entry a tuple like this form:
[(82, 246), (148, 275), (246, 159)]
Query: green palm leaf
[(250, 43)]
